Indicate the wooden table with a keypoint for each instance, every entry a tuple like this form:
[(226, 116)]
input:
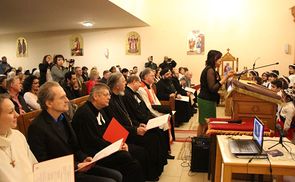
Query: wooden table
[(245, 128), (282, 165)]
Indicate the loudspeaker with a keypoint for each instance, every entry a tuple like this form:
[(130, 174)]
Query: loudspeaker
[(200, 154)]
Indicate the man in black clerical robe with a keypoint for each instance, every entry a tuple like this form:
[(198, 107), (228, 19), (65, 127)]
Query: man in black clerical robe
[(90, 123), (165, 89), (139, 112), (138, 134)]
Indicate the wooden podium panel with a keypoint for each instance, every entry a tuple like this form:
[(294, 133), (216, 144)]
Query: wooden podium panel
[(250, 100), (245, 106)]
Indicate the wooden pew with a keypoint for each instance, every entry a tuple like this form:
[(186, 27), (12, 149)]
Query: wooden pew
[(80, 101), (170, 102), (24, 120)]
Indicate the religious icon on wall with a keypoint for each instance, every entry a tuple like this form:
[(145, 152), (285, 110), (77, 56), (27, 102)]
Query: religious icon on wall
[(293, 12), (76, 44), (21, 47), (133, 43), (196, 43)]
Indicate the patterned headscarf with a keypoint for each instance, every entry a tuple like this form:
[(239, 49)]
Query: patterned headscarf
[(290, 93)]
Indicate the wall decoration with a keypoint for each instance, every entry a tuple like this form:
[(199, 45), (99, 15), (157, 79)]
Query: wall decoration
[(196, 43), (107, 53), (293, 12), (133, 44), (76, 44), (21, 47)]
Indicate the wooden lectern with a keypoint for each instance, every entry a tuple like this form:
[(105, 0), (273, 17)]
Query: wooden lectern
[(249, 100)]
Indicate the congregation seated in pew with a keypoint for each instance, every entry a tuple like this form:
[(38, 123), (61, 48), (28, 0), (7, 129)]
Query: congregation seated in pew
[(90, 123), (143, 145), (50, 136)]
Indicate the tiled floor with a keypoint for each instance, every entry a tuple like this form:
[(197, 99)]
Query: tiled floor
[(178, 170)]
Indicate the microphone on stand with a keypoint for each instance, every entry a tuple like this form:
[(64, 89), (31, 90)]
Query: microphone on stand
[(280, 130), (241, 73), (255, 62)]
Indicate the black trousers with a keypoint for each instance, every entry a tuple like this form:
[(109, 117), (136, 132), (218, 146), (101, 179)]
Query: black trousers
[(126, 164), (99, 174)]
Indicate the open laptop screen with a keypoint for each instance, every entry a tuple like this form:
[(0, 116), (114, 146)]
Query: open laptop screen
[(258, 132)]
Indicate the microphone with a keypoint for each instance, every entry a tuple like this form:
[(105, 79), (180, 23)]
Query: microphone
[(255, 62), (280, 130), (241, 73)]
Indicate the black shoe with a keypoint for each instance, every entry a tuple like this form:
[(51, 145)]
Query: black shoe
[(170, 157), (153, 180)]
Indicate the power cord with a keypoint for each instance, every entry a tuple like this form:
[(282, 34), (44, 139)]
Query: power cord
[(270, 167), (185, 157)]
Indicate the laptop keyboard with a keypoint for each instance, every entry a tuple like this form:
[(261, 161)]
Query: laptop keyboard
[(245, 146)]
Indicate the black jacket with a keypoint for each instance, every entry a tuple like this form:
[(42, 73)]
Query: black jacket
[(88, 131), (48, 141)]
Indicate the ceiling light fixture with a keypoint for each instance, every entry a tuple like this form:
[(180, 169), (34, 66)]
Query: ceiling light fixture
[(87, 24)]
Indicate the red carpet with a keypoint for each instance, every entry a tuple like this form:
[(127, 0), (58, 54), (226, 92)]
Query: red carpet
[(184, 135)]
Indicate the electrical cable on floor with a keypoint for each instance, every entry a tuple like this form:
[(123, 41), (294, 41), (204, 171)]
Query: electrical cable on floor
[(186, 157)]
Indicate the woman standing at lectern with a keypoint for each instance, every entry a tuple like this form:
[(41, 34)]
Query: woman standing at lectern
[(211, 82)]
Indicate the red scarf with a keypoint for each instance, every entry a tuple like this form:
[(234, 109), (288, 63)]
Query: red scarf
[(150, 96)]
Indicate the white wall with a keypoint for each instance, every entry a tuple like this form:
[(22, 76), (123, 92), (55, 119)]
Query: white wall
[(250, 28)]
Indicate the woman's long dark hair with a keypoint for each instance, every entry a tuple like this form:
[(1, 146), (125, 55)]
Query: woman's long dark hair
[(212, 57), (28, 83)]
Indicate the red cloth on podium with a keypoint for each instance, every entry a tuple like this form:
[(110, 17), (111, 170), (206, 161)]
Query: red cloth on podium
[(245, 128)]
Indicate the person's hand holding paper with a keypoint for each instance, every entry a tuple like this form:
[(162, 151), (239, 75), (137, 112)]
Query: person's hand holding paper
[(141, 130), (158, 121), (124, 147), (88, 162), (85, 166)]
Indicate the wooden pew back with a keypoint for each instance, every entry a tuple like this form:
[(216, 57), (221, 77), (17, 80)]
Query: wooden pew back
[(24, 120)]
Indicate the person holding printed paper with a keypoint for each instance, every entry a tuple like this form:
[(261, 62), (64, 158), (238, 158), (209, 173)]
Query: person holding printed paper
[(211, 82), (150, 99), (165, 90), (90, 123), (138, 135), (50, 136), (139, 112), (15, 155)]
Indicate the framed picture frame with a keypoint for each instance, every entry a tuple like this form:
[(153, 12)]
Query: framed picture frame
[(228, 62), (21, 47), (76, 45), (133, 44)]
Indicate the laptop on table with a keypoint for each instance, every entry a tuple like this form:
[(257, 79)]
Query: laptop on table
[(247, 148)]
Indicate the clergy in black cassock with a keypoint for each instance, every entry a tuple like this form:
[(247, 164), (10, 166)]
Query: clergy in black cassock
[(137, 131), (165, 89), (139, 112), (90, 123)]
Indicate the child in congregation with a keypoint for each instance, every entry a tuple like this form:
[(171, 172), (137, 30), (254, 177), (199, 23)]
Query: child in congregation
[(276, 86), (265, 81), (287, 112), (292, 74), (273, 75), (252, 75)]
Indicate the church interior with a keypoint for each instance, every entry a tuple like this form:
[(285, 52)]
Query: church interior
[(251, 34)]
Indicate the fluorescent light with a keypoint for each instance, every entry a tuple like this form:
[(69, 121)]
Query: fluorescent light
[(87, 24)]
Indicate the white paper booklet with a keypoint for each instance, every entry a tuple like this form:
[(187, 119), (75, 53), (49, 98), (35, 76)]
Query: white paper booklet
[(55, 170), (188, 89), (112, 148), (158, 121), (183, 98)]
